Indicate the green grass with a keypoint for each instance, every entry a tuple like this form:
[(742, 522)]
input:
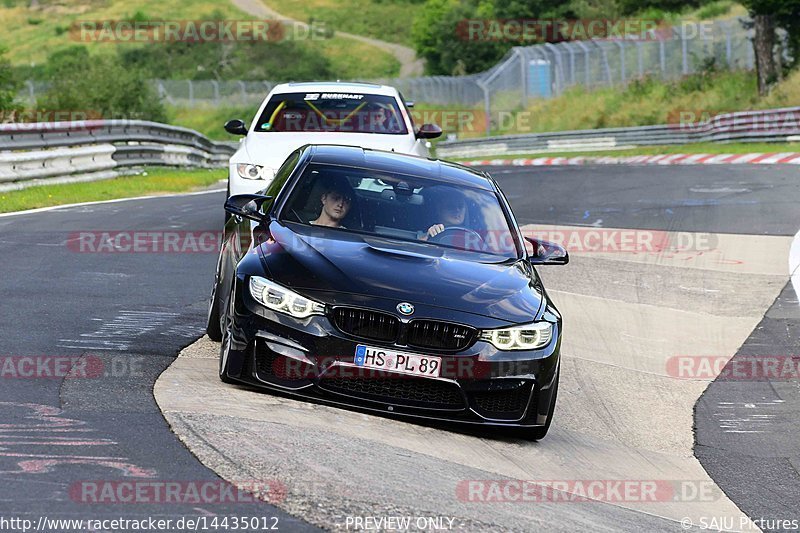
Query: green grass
[(646, 102), (353, 60), (157, 181), (388, 20), (697, 148), (31, 34), (209, 120)]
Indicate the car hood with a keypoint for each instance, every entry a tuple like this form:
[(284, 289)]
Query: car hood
[(272, 149), (351, 266)]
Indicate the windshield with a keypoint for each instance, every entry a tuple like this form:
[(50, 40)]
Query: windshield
[(332, 112), (399, 206)]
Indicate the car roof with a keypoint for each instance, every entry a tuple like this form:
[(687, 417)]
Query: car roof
[(336, 86), (355, 156)]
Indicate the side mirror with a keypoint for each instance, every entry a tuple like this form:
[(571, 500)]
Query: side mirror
[(247, 206), (236, 127), (547, 253), (429, 131), (409, 105)]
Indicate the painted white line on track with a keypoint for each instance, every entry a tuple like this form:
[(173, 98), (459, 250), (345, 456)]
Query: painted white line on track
[(116, 200)]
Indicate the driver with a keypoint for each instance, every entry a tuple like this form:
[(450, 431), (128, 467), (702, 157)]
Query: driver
[(451, 210), (336, 199)]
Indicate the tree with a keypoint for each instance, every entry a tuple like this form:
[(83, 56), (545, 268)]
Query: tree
[(768, 16), (438, 36), (99, 85)]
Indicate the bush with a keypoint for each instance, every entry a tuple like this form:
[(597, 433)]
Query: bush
[(99, 85)]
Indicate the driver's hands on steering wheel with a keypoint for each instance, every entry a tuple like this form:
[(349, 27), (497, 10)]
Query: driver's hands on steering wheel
[(433, 231)]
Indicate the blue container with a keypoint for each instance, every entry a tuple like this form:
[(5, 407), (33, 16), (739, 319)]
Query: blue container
[(539, 79)]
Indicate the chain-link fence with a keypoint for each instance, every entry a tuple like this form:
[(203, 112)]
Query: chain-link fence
[(547, 70), (525, 73)]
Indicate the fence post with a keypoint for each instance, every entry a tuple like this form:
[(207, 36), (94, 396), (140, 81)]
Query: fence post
[(662, 56), (487, 107), (571, 64), (622, 75), (750, 56), (523, 76), (609, 80), (640, 59), (31, 90), (585, 49), (191, 93), (215, 84), (684, 50), (728, 47), (557, 67)]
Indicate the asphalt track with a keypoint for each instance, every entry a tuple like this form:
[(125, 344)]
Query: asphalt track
[(129, 314), (620, 414)]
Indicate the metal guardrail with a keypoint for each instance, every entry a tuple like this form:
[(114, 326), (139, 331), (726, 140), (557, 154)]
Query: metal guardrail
[(100, 148), (774, 125)]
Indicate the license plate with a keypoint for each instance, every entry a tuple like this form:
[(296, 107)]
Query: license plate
[(402, 362)]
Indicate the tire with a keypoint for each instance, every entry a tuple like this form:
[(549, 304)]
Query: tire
[(540, 432), (227, 195), (225, 347), (213, 319)]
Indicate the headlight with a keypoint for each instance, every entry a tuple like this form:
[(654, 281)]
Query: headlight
[(280, 299), (527, 337), (250, 172)]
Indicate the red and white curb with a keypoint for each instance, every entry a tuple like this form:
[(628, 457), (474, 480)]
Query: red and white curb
[(792, 158)]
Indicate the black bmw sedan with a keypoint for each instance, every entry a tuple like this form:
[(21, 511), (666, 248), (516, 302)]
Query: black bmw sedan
[(389, 283)]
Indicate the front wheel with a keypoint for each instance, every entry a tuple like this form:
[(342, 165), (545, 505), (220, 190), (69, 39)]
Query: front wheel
[(225, 347), (213, 319), (227, 195)]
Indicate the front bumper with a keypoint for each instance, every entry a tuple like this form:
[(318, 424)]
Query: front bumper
[(313, 359)]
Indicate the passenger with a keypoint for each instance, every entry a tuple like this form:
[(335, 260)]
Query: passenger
[(336, 199)]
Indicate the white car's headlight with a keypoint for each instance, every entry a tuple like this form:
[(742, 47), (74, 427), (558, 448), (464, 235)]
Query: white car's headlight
[(280, 299), (251, 172), (527, 337)]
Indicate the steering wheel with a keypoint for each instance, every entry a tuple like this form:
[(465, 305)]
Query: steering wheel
[(450, 236)]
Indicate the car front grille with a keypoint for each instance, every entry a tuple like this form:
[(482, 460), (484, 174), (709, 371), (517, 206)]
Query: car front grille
[(439, 335), (383, 327), (414, 392), (367, 324)]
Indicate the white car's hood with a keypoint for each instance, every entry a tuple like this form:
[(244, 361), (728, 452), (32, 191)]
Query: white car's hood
[(271, 149)]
